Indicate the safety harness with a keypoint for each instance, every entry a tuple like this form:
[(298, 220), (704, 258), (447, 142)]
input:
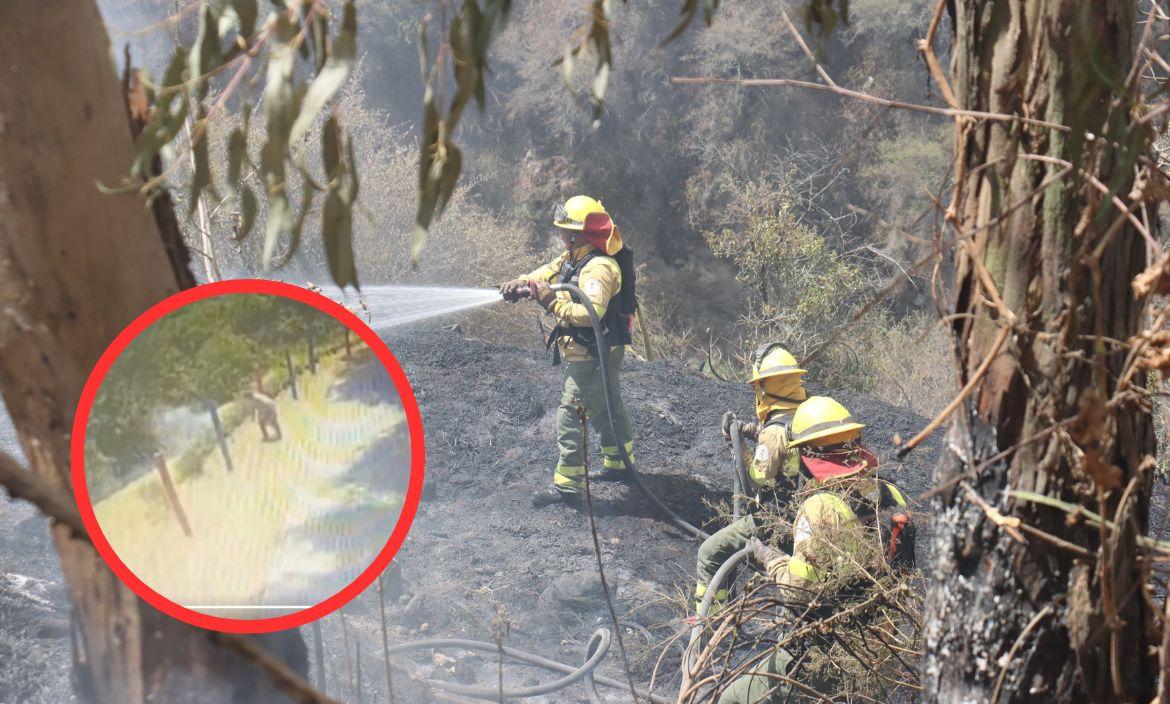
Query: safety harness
[(617, 321)]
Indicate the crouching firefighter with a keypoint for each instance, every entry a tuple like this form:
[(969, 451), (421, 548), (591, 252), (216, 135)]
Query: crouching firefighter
[(772, 470), (848, 521), (597, 262)]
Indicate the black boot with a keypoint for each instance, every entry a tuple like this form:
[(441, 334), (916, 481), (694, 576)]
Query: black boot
[(552, 495)]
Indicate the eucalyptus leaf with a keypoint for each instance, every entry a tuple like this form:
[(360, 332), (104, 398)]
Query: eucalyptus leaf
[(423, 49), (279, 93), (495, 12), (689, 8), (319, 31), (449, 176), (279, 109), (353, 173), (204, 54), (237, 153), (468, 73), (248, 207), (337, 228), (201, 179), (307, 189), (166, 120), (330, 147), (280, 220), (332, 75), (247, 12)]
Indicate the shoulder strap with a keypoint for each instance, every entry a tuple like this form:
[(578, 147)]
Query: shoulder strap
[(571, 268), (782, 420)]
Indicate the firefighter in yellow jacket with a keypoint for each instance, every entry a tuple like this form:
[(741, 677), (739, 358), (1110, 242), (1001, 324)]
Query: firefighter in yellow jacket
[(848, 518), (591, 262), (772, 470)]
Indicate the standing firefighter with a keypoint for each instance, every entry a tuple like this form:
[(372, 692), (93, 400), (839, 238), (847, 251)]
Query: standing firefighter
[(848, 521), (263, 410), (596, 261), (772, 472)]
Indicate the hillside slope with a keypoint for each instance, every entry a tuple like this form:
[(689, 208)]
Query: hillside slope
[(478, 549)]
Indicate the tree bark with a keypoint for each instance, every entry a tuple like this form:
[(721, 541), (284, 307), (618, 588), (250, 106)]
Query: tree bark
[(1012, 620), (76, 267)]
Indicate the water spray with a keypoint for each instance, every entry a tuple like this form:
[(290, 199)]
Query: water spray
[(386, 306)]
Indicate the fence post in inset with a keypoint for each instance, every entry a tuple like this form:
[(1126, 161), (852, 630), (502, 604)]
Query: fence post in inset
[(312, 356), (220, 436), (348, 350), (160, 464), (292, 375)]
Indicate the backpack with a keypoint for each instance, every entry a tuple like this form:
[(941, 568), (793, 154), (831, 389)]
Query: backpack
[(628, 294)]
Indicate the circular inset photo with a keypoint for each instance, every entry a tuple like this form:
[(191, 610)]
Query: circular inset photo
[(247, 456)]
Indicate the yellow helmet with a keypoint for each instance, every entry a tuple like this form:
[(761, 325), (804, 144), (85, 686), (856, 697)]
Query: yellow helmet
[(771, 359), (571, 215), (821, 421)]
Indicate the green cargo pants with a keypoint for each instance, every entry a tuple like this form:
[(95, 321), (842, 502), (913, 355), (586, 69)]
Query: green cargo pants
[(715, 550), (759, 688), (583, 386)]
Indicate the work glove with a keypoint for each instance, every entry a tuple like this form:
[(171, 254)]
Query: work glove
[(543, 294), (750, 430), (510, 290), (725, 424), (760, 553)]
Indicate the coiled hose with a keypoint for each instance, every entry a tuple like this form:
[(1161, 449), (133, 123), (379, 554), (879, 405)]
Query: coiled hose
[(594, 653), (603, 359)]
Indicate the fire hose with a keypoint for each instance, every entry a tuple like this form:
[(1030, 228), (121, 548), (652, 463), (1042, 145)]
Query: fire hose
[(603, 360), (594, 653), (740, 475), (704, 607), (599, 642)]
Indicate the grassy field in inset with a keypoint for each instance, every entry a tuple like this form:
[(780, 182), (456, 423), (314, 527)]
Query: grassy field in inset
[(295, 521)]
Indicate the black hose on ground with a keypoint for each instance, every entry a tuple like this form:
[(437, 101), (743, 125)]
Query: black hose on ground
[(603, 360), (595, 652)]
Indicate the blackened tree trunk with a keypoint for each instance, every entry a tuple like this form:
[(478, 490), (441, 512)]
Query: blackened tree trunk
[(1043, 289), (75, 268)]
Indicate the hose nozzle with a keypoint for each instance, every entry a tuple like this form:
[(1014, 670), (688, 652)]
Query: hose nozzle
[(512, 295)]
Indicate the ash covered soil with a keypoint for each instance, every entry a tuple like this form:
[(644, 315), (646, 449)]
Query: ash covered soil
[(479, 554), (480, 559)]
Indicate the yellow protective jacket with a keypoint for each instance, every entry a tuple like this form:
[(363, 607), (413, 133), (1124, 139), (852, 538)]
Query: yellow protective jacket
[(829, 539), (601, 280), (773, 459)]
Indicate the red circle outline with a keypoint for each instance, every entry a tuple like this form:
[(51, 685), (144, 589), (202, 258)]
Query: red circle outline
[(409, 407)]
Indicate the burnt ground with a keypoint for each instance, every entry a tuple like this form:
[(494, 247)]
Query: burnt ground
[(478, 548), (479, 555)]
